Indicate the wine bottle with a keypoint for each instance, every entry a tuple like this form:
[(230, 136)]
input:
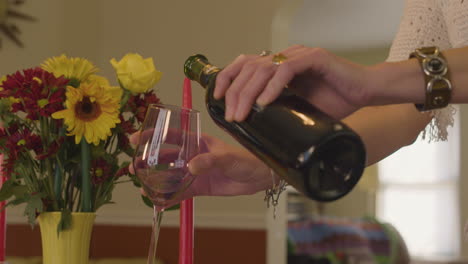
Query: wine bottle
[(319, 156)]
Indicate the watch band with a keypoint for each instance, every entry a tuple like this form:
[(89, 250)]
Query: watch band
[(438, 88)]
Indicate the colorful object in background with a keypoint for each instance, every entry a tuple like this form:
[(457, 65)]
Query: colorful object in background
[(344, 240), (186, 207)]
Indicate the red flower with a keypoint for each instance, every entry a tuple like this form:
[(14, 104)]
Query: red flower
[(23, 140), (40, 92), (33, 142), (127, 126), (51, 150), (139, 104), (10, 158), (14, 141), (100, 171), (124, 142)]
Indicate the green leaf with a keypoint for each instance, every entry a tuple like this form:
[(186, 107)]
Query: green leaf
[(74, 82), (124, 164), (129, 151), (105, 198), (147, 201), (97, 151), (33, 206), (7, 190), (65, 221), (15, 202), (11, 188), (135, 180), (174, 207), (20, 191)]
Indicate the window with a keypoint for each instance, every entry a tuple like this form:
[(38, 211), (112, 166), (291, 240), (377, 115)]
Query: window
[(418, 194)]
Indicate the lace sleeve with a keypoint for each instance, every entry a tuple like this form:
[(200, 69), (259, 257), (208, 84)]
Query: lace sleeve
[(431, 23), (437, 129)]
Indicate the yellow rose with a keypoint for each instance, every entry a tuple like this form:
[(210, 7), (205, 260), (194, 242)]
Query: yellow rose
[(136, 74)]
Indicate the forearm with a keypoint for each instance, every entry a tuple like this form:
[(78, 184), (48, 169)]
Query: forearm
[(403, 82), (385, 129)]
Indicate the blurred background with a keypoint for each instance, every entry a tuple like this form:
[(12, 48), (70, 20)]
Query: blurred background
[(420, 196)]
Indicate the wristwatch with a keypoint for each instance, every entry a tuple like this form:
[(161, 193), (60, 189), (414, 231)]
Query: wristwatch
[(438, 86)]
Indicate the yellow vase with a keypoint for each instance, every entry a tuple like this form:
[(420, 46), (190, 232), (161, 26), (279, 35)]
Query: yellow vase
[(70, 246)]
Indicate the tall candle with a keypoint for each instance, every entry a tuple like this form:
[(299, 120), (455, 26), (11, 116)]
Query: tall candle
[(186, 207)]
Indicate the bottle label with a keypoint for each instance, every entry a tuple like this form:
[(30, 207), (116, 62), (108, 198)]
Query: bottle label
[(159, 134)]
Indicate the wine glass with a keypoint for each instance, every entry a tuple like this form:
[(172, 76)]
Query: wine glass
[(169, 139)]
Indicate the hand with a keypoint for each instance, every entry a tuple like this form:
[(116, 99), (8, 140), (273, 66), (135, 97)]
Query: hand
[(223, 170), (333, 84)]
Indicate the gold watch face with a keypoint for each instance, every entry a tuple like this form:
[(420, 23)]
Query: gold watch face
[(8, 17)]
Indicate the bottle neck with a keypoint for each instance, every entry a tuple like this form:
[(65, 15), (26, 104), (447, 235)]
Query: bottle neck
[(207, 74), (198, 68)]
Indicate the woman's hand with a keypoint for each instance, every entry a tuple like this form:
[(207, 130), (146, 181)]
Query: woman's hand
[(334, 85), (222, 170)]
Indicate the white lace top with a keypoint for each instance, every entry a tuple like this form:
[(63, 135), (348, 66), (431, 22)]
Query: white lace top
[(442, 23)]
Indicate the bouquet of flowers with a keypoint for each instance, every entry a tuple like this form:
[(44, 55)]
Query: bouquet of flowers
[(65, 132)]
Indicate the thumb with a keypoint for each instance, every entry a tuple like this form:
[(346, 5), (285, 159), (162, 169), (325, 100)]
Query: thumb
[(202, 163)]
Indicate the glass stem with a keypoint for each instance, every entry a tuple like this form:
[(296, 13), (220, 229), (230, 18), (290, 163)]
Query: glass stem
[(157, 218)]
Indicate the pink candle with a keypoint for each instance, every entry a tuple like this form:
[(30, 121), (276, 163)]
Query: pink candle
[(186, 207), (2, 218)]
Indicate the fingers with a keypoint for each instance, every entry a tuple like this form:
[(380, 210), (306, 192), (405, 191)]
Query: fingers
[(227, 175), (135, 138), (253, 79), (241, 82), (315, 60), (249, 91), (228, 74)]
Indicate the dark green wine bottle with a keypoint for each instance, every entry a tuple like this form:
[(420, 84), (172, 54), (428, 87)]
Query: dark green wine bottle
[(319, 156)]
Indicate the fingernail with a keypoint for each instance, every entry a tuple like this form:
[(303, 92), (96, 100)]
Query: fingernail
[(239, 116), (261, 101), (216, 95), (228, 116)]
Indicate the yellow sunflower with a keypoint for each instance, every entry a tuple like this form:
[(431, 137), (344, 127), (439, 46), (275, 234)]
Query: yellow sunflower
[(91, 111), (100, 80), (71, 68)]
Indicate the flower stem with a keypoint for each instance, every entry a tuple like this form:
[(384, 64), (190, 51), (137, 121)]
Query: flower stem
[(58, 176), (125, 97), (58, 183), (86, 203)]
